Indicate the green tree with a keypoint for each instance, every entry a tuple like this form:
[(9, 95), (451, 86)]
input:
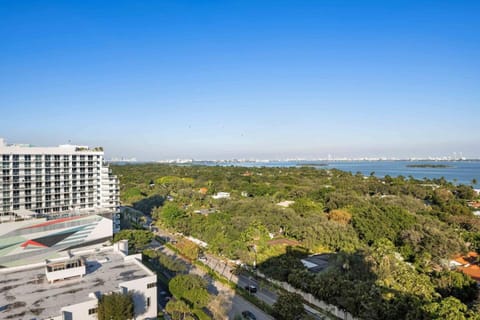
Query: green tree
[(115, 306), (178, 309), (190, 288), (137, 239), (188, 249), (456, 284), (447, 309), (288, 306), (170, 214), (170, 263)]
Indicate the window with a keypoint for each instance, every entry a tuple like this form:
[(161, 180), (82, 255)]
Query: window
[(92, 311), (151, 285), (148, 302)]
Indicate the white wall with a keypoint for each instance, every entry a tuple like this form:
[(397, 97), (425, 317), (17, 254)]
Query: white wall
[(79, 311), (140, 293), (66, 273)]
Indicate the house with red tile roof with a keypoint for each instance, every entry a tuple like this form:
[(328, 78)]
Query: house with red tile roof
[(468, 265)]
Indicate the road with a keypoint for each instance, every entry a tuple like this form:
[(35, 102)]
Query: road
[(242, 280), (236, 304)]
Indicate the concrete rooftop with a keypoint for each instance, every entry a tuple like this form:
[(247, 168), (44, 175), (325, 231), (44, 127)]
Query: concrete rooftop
[(26, 294)]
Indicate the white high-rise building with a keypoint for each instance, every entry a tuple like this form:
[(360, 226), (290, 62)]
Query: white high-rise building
[(54, 199), (55, 180)]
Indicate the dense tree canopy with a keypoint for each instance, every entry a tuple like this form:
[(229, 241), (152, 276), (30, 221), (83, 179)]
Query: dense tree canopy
[(390, 239), (137, 239), (190, 288), (288, 306)]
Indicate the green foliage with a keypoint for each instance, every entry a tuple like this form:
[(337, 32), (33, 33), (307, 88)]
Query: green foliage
[(280, 267), (146, 205), (430, 237), (288, 306), (172, 180), (170, 215), (165, 261), (456, 284), (170, 263), (386, 235), (373, 222), (131, 195), (465, 192), (371, 284), (115, 306), (449, 309), (188, 249), (190, 288), (201, 315), (137, 239), (178, 309)]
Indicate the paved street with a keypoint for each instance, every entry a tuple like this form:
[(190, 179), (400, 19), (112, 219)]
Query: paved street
[(236, 304), (242, 280)]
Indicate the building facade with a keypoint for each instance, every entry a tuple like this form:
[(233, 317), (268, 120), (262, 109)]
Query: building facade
[(55, 180), (54, 199)]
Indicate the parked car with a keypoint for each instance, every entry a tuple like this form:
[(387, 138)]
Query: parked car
[(251, 288), (248, 315)]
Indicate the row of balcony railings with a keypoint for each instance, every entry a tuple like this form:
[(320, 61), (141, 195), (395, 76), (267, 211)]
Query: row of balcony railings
[(38, 157), (54, 213)]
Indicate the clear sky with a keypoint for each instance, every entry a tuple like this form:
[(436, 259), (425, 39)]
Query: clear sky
[(223, 79)]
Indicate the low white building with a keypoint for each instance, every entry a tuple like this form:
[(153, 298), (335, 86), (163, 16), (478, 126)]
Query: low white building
[(286, 203), (69, 289), (221, 195)]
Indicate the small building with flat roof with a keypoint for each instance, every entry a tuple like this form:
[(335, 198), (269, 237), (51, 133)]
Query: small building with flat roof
[(70, 288)]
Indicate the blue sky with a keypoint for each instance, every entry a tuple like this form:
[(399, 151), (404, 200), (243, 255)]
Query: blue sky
[(225, 79)]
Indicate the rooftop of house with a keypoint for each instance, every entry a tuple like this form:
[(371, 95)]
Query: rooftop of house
[(468, 265), (472, 270), (317, 262), (468, 259), (26, 294), (474, 204)]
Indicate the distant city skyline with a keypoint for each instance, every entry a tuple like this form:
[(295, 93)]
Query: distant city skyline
[(299, 156), (261, 80)]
